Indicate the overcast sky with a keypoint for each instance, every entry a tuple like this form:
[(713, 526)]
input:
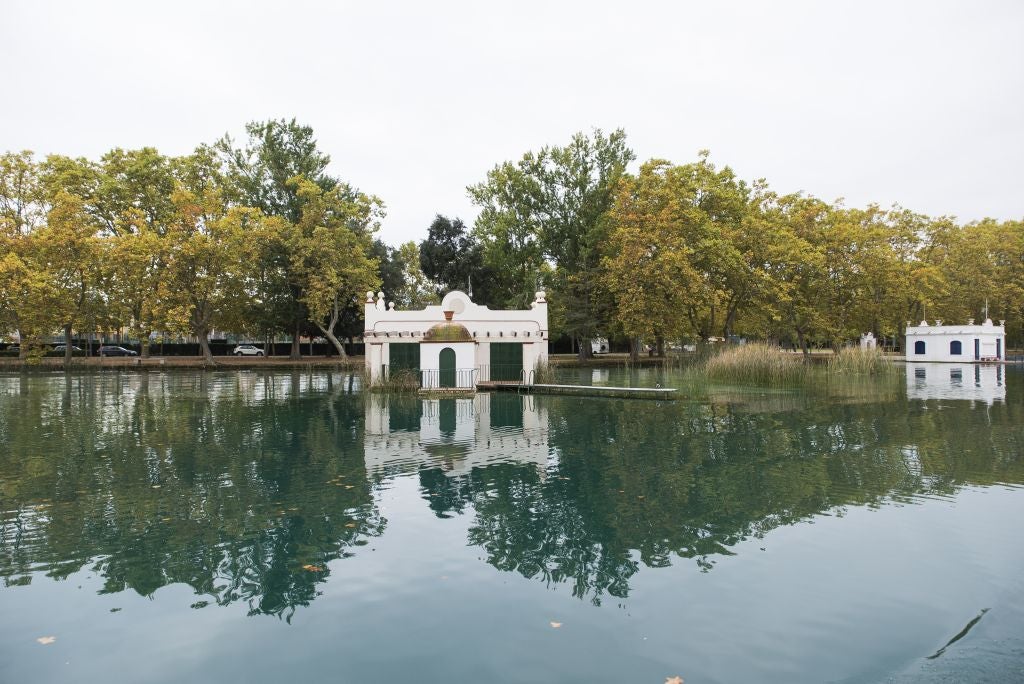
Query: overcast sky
[(919, 103)]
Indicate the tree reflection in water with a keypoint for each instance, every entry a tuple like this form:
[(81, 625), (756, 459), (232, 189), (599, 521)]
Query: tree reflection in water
[(230, 483), (632, 483), (245, 485)]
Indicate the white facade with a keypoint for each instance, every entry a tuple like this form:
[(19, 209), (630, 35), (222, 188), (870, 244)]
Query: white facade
[(386, 326), (956, 343), (868, 341)]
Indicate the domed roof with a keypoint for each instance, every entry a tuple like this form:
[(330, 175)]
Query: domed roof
[(447, 332)]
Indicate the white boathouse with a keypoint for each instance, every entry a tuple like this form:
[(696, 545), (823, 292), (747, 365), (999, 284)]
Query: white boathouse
[(456, 344), (956, 343)]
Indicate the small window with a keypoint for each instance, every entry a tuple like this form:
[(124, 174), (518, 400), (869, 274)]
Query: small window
[(919, 347), (955, 348)]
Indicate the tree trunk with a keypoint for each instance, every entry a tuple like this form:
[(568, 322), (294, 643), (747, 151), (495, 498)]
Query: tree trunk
[(296, 352), (338, 347), (730, 320), (803, 342), (204, 345), (144, 342), (659, 343), (634, 349), (67, 345), (584, 351)]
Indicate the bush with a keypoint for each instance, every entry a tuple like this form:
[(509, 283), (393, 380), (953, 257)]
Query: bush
[(755, 363)]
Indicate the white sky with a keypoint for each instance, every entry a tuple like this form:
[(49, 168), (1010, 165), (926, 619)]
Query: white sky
[(920, 103)]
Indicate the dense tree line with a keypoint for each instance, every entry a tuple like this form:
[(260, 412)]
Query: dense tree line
[(252, 238), (692, 252), (255, 237)]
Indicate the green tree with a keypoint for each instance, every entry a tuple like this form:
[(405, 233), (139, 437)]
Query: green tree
[(330, 252), (260, 175), (453, 259), (551, 206), (209, 261)]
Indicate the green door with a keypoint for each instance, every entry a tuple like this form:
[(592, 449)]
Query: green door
[(404, 356), (447, 367), (506, 362)]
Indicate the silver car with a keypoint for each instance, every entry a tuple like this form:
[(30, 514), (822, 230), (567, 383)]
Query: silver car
[(247, 350)]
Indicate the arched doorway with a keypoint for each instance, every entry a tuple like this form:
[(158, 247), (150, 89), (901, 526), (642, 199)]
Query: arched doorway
[(447, 368)]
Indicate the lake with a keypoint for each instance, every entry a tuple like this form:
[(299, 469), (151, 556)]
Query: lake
[(285, 525)]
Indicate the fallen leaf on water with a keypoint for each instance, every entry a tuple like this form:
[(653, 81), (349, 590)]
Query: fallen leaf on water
[(674, 680), (556, 625), (156, 486), (349, 486), (312, 568), (46, 640), (350, 524)]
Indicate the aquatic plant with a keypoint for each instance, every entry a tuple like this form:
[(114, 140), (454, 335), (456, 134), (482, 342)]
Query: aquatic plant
[(543, 373), (857, 361), (756, 363), (400, 381)]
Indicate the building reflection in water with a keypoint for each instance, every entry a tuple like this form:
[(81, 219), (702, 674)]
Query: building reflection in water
[(456, 435), (976, 382)]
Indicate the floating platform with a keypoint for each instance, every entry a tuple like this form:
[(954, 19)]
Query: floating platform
[(666, 393)]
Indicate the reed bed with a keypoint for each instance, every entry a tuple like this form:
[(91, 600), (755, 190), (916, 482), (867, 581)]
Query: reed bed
[(857, 361), (399, 382), (756, 363)]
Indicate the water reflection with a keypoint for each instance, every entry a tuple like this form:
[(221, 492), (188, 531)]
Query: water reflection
[(243, 486), (632, 484), (246, 485), (454, 435), (976, 382)]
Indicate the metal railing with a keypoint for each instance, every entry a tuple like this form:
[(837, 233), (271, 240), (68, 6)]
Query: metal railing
[(458, 378), (501, 373)]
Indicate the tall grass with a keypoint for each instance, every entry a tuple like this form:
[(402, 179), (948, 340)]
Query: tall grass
[(756, 363), (857, 361), (401, 382), (543, 374)]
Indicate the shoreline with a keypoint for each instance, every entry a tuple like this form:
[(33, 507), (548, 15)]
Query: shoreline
[(351, 363)]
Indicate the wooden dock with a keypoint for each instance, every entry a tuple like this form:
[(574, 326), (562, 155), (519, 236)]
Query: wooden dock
[(660, 393)]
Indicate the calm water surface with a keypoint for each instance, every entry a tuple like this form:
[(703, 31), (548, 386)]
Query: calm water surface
[(278, 526)]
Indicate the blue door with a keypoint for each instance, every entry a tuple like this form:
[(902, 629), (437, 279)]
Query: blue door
[(999, 349), (977, 349)]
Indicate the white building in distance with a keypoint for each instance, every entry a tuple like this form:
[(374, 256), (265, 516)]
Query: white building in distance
[(956, 343), (455, 344)]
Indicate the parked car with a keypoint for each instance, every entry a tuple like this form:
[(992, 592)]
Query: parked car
[(112, 350), (62, 347), (14, 348), (247, 350)]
